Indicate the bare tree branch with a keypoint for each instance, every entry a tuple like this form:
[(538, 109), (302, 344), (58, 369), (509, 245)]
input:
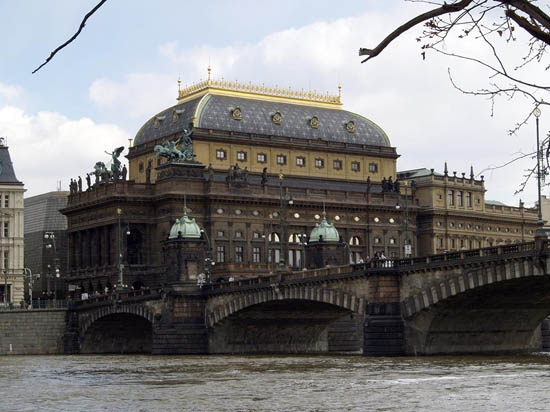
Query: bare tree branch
[(73, 37), (444, 9)]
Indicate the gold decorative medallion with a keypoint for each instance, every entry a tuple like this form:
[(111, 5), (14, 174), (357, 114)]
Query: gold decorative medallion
[(277, 118), (350, 126), (236, 113), (314, 122)]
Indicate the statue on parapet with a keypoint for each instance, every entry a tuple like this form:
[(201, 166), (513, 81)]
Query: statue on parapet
[(115, 165), (169, 148)]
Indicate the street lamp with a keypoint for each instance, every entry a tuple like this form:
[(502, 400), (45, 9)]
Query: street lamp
[(120, 265), (540, 222), (50, 237), (303, 242), (208, 261), (407, 246)]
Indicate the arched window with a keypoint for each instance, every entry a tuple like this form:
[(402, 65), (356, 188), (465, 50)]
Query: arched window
[(294, 238), (274, 237), (354, 241)]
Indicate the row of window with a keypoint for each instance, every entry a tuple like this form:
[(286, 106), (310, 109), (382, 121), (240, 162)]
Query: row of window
[(273, 256), (479, 227), (460, 197), (467, 243), (6, 202), (281, 160)]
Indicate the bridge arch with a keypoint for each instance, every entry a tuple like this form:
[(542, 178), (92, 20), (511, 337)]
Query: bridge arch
[(468, 280), (245, 300), (87, 319), (492, 308)]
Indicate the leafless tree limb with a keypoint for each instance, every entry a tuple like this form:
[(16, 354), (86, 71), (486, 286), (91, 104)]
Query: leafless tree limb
[(73, 37)]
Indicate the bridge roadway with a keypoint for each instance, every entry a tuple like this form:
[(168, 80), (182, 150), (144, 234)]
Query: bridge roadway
[(489, 300)]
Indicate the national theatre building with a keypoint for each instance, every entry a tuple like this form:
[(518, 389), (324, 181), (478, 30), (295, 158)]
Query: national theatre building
[(247, 179)]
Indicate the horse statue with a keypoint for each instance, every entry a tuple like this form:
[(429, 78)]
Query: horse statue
[(170, 150)]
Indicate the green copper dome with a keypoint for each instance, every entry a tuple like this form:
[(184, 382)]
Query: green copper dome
[(188, 228), (326, 230)]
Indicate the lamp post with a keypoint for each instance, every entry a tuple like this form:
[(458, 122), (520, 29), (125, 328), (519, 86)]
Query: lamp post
[(407, 243), (120, 283), (303, 243), (282, 223), (540, 222), (50, 237), (208, 261)]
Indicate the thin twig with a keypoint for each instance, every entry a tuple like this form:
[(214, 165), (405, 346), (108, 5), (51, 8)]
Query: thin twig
[(74, 36)]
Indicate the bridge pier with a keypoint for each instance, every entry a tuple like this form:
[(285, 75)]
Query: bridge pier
[(180, 328), (384, 333)]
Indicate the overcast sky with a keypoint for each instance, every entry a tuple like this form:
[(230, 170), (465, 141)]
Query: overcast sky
[(96, 93)]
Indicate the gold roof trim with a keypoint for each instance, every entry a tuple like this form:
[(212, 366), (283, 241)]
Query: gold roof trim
[(254, 91)]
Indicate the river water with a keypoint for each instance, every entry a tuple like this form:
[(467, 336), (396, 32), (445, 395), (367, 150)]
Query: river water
[(274, 383)]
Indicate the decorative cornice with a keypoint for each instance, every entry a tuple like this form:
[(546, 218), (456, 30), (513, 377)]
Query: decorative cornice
[(250, 90)]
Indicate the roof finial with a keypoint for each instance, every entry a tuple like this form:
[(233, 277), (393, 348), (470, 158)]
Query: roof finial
[(209, 71), (179, 85), (185, 205), (339, 92), (446, 170), (324, 211), (471, 172)]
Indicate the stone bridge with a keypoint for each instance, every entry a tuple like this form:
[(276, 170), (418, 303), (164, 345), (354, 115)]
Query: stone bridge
[(477, 301)]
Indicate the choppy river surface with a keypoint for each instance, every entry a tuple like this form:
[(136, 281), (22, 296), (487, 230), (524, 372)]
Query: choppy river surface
[(273, 383)]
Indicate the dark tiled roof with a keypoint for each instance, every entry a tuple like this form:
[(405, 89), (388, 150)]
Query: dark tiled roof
[(42, 212), (7, 174), (215, 112), (166, 124)]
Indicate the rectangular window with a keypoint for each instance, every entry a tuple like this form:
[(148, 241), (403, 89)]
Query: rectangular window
[(6, 229), (461, 243), (220, 154), (6, 259), (238, 235), (471, 244), (256, 235), (459, 198), (239, 254), (281, 159), (300, 161), (355, 166), (479, 244), (373, 167), (241, 156), (261, 158), (337, 164), (6, 200), (220, 254), (451, 197), (319, 163), (468, 199), (439, 242), (256, 255), (453, 244), (140, 167), (220, 233)]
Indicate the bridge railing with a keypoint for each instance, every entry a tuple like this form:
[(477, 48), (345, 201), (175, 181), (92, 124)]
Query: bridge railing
[(113, 296)]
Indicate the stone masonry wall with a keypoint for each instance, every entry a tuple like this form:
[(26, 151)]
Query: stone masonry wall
[(32, 332)]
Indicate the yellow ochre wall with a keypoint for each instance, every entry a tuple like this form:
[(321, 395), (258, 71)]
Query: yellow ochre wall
[(206, 154)]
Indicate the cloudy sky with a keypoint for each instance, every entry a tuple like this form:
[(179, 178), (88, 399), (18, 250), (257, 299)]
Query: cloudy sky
[(96, 93)]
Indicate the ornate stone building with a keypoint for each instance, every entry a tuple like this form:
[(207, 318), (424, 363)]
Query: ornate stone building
[(454, 215), (11, 230), (263, 163)]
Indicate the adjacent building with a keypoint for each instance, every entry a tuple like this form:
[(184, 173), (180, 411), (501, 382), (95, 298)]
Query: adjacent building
[(46, 243), (11, 231), (454, 215)]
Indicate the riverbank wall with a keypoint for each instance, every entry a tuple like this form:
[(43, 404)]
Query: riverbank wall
[(32, 332)]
